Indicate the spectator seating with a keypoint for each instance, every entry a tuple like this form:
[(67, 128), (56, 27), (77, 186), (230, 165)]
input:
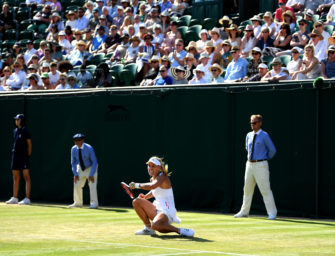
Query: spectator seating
[(128, 74)]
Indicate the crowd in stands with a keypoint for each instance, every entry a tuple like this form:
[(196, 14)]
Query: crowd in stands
[(109, 42)]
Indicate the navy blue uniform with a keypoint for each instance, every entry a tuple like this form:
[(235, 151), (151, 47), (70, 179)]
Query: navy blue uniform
[(20, 158)]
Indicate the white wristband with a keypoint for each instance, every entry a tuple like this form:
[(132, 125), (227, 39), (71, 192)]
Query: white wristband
[(137, 185)]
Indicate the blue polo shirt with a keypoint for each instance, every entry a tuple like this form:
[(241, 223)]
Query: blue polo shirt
[(164, 81)]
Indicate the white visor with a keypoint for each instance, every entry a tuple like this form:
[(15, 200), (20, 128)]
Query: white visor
[(155, 161)]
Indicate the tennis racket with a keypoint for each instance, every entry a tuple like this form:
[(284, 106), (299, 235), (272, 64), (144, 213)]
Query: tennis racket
[(127, 189)]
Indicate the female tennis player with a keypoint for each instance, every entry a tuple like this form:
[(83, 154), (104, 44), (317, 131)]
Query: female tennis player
[(162, 211)]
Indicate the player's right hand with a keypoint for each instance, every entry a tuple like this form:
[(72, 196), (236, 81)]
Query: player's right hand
[(76, 178)]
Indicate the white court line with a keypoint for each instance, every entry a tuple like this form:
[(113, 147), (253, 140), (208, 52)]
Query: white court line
[(158, 247), (179, 253)]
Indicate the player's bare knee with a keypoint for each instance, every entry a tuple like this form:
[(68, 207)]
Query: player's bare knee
[(136, 202)]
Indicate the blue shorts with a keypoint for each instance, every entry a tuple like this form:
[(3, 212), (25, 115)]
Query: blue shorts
[(20, 162)]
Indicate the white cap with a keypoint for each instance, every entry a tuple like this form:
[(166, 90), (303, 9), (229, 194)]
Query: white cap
[(262, 65), (155, 161)]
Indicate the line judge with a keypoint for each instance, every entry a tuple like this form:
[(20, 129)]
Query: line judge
[(260, 149), (84, 166)]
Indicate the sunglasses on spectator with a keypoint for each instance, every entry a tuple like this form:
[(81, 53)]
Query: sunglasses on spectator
[(162, 71), (317, 26), (71, 79), (62, 79), (16, 66), (6, 71), (255, 53), (328, 53), (294, 52), (179, 45), (44, 78), (214, 70), (179, 71), (154, 61), (301, 24), (254, 122)]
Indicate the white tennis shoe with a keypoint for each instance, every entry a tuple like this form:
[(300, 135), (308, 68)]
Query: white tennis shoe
[(93, 206), (272, 217), (12, 200), (74, 205), (186, 232), (25, 201), (146, 231), (240, 215)]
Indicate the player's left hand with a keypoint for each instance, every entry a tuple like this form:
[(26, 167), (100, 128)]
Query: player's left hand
[(91, 179)]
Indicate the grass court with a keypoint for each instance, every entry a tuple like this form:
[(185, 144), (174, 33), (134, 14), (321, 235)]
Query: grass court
[(43, 229)]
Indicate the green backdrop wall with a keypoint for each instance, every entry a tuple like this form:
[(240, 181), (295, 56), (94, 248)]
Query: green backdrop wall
[(200, 131)]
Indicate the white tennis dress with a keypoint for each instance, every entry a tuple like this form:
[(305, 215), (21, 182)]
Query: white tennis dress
[(164, 202)]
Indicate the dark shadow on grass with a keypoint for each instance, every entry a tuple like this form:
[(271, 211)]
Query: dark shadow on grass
[(66, 207), (178, 237), (308, 222)]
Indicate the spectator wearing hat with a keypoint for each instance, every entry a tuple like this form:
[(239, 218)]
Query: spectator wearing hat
[(288, 19), (214, 56), (102, 23), (295, 64), (310, 68), (55, 21), (204, 64), (63, 85), (152, 19), (276, 73), (71, 19), (46, 82), (202, 41), (237, 68), (98, 40), (34, 60), (328, 64), (99, 5), (89, 6), (178, 55), (252, 69), (296, 5), (269, 23), (129, 13), (73, 82), (152, 73), (84, 77), (112, 41), (132, 50), (118, 19), (318, 25), (125, 3), (82, 21), (165, 61), (320, 45), (309, 17), (234, 35), (33, 69), (94, 21), (77, 38), (190, 64), (192, 48), (300, 38), (53, 34), (216, 71), (265, 40), (257, 25), (170, 38), (54, 74), (45, 68), (17, 79), (198, 76), (178, 8), (215, 38), (84, 166), (22, 149), (225, 53), (30, 51), (33, 83), (262, 70), (283, 8), (158, 36), (225, 22), (163, 78), (43, 16), (248, 41), (165, 20), (79, 55), (180, 75), (64, 43)]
